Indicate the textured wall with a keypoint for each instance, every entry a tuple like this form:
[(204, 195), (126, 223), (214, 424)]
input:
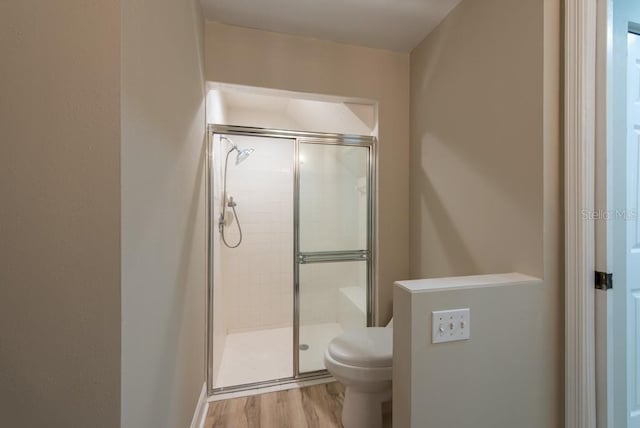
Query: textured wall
[(496, 379), (477, 142), (60, 214), (163, 225), (486, 158)]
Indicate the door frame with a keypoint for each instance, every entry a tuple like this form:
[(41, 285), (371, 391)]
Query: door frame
[(579, 135), (372, 284), (605, 228)]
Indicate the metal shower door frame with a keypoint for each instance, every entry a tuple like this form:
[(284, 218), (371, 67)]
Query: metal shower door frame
[(368, 255)]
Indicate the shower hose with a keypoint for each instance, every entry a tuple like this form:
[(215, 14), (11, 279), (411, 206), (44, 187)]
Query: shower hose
[(232, 205), (224, 239)]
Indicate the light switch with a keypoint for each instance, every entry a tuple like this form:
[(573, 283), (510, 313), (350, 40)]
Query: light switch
[(450, 326)]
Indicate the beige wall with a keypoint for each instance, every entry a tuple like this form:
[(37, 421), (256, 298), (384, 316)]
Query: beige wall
[(499, 378), (163, 229), (59, 214), (477, 142), (259, 58), (485, 156)]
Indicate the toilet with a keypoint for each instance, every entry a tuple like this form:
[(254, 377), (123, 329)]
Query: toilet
[(361, 360)]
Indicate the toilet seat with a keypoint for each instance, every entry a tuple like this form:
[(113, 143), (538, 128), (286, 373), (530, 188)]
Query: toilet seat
[(370, 347)]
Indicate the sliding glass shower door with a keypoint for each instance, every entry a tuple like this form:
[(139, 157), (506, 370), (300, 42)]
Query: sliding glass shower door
[(333, 246), (290, 241)]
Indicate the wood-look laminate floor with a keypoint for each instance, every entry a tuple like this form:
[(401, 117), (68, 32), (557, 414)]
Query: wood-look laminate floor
[(317, 406)]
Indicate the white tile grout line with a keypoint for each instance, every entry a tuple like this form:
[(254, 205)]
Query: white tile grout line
[(274, 388)]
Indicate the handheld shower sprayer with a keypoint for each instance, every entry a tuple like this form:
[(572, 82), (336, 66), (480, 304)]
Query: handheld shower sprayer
[(227, 200)]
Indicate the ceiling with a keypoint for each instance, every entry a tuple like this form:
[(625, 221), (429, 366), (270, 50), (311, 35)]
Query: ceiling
[(397, 25)]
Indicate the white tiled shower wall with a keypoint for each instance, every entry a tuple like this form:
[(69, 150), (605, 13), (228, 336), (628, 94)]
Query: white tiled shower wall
[(333, 216), (332, 193), (258, 275), (321, 298)]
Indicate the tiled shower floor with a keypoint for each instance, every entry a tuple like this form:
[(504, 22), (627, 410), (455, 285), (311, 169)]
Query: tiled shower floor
[(262, 355)]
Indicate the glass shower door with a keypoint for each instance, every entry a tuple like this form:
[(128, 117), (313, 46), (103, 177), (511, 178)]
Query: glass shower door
[(333, 254)]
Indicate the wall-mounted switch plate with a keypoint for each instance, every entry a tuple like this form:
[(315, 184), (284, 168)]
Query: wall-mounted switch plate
[(450, 326)]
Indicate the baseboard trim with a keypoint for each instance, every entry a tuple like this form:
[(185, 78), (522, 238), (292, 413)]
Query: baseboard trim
[(200, 414)]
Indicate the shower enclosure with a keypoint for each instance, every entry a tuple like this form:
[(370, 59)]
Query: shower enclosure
[(297, 213)]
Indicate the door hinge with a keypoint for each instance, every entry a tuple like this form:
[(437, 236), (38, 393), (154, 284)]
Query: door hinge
[(604, 281)]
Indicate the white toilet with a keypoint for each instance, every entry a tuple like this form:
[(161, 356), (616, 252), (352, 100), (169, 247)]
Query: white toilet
[(361, 360)]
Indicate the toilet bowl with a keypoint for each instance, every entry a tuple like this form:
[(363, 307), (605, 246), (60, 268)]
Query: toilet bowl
[(361, 360)]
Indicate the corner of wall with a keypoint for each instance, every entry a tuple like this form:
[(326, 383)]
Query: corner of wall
[(163, 225)]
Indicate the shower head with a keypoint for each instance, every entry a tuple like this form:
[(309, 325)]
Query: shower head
[(243, 154)]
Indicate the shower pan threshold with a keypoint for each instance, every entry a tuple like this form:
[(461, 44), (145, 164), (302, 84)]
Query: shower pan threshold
[(318, 379)]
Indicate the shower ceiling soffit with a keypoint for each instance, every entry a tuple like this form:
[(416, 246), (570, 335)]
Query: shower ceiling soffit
[(397, 25), (305, 113)]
